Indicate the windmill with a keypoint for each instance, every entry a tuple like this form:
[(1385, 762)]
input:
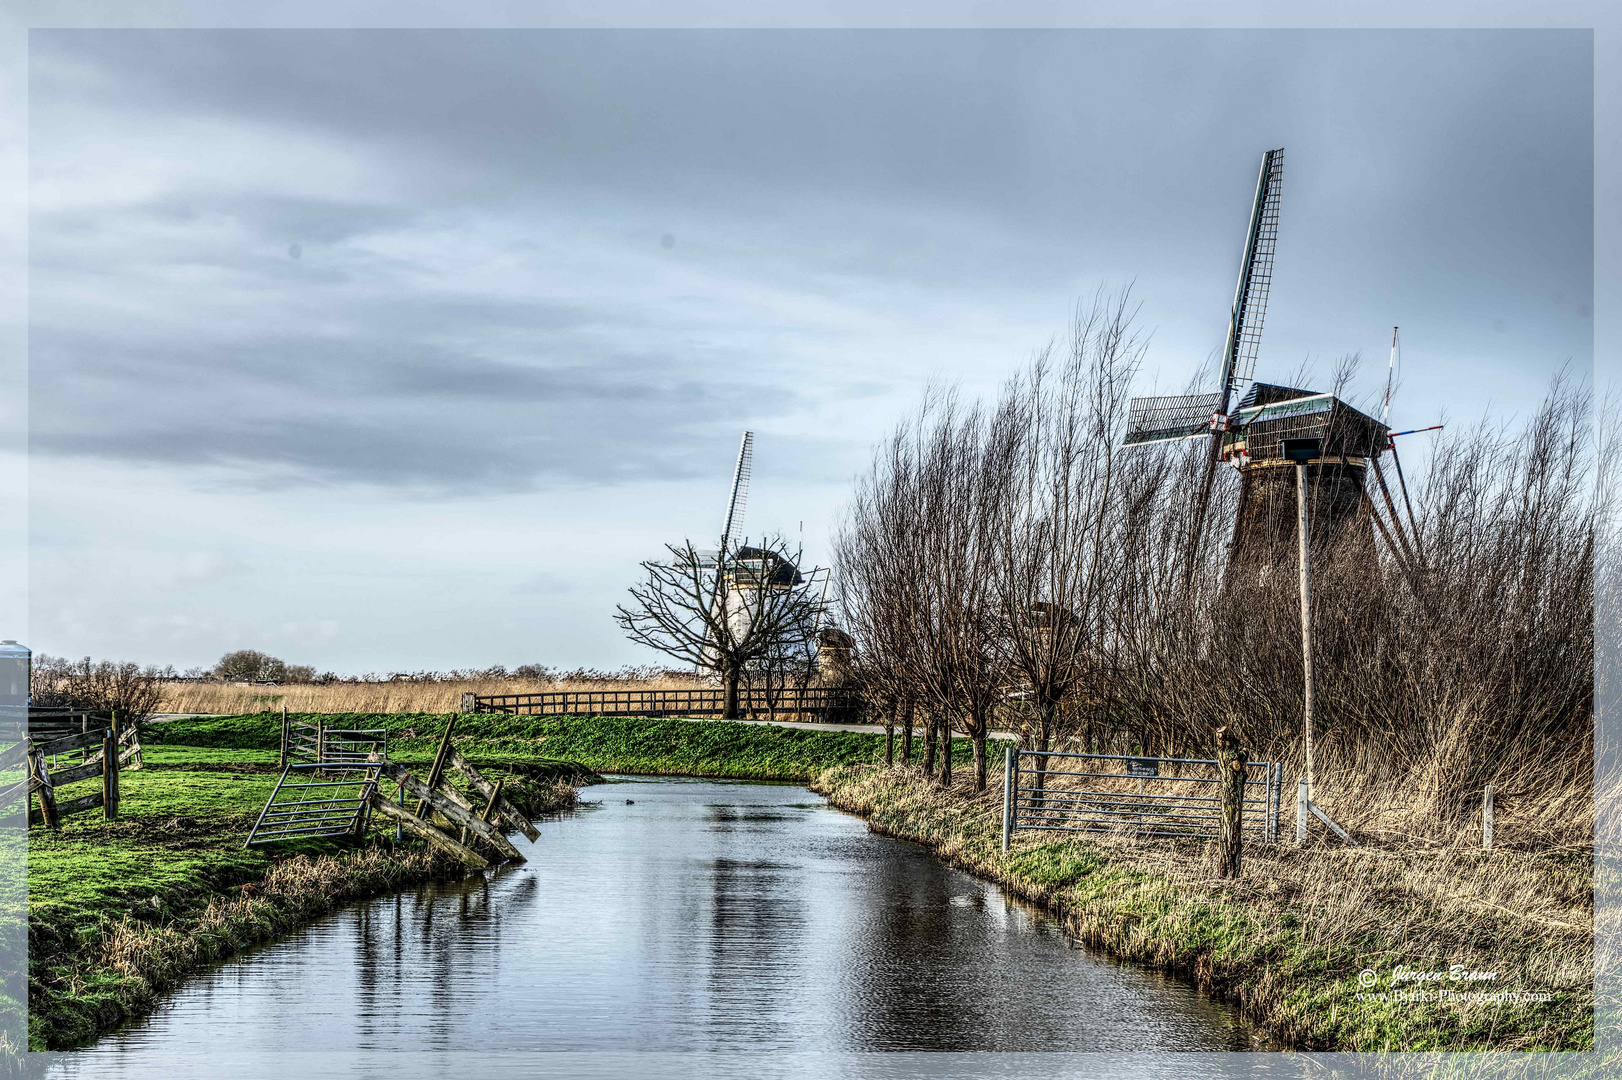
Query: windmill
[(1252, 435), (742, 572)]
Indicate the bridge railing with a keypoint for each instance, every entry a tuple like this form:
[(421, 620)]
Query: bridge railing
[(816, 704)]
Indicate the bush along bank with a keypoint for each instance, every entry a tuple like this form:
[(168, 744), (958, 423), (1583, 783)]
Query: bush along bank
[(119, 911), (1288, 941)]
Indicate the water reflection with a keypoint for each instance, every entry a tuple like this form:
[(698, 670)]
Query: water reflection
[(705, 916)]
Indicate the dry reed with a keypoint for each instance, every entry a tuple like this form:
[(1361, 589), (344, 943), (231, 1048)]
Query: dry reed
[(230, 699)]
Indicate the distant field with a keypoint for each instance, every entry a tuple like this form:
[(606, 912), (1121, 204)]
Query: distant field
[(230, 699)]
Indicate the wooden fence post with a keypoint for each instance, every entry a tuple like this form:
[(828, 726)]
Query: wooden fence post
[(1486, 819), (286, 732), (109, 776), (437, 769), (38, 772), (1231, 764)]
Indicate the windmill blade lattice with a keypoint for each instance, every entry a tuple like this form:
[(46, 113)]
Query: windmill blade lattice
[(731, 533), (1256, 275), (1162, 419)]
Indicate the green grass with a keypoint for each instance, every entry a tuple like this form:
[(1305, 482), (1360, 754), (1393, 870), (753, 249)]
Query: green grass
[(120, 910), (607, 744)]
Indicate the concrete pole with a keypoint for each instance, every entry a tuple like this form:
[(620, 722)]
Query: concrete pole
[(1303, 538), (1301, 811)]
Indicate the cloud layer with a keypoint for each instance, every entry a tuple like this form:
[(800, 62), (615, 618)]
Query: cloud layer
[(473, 268)]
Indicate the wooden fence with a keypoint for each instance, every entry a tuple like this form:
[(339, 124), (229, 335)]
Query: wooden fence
[(816, 704), (67, 746), (337, 792)]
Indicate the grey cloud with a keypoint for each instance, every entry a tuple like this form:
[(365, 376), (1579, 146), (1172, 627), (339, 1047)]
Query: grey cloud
[(908, 171), (290, 414)]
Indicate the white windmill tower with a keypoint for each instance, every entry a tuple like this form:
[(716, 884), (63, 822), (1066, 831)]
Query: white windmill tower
[(741, 572)]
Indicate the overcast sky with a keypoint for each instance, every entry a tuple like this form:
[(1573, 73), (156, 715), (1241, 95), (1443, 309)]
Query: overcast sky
[(383, 350)]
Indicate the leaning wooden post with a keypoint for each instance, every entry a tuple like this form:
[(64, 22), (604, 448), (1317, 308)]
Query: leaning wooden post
[(488, 814), (437, 770), (1007, 797), (1231, 764), (286, 731), (1486, 819), (42, 786)]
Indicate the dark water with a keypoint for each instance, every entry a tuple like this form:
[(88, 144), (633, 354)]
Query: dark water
[(708, 916)]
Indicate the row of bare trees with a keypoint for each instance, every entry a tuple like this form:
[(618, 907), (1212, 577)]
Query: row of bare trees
[(1011, 564)]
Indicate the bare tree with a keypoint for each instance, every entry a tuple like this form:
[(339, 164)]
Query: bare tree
[(879, 588), (1059, 549), (721, 614), (129, 690), (961, 479)]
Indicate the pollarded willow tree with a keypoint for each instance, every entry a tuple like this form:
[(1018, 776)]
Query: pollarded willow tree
[(725, 612), (917, 557), (1058, 557)]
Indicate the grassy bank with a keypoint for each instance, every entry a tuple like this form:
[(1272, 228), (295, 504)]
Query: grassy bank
[(607, 744), (1288, 940), (119, 911)]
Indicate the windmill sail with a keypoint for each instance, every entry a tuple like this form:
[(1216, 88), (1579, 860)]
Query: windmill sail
[(1390, 374), (1255, 277), (730, 533), (1160, 419)]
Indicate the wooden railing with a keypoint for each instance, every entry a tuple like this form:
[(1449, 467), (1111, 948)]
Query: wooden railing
[(816, 704)]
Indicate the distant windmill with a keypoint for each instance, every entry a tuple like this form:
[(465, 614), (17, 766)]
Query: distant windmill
[(741, 570), (1252, 436)]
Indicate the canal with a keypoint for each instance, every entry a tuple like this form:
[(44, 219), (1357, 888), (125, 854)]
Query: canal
[(675, 915)]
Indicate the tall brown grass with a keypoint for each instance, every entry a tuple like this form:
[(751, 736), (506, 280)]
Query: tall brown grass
[(379, 697)]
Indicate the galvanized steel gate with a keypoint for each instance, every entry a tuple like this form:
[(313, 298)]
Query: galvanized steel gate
[(1134, 796), (329, 793)]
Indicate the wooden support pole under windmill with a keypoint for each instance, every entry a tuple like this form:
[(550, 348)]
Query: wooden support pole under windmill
[(1304, 545), (1302, 451)]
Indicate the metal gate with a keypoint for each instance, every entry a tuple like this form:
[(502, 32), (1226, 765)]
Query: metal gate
[(307, 742), (1133, 796), (317, 798)]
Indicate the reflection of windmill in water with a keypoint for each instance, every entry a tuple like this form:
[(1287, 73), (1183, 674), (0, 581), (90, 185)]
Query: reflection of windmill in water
[(1253, 436)]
